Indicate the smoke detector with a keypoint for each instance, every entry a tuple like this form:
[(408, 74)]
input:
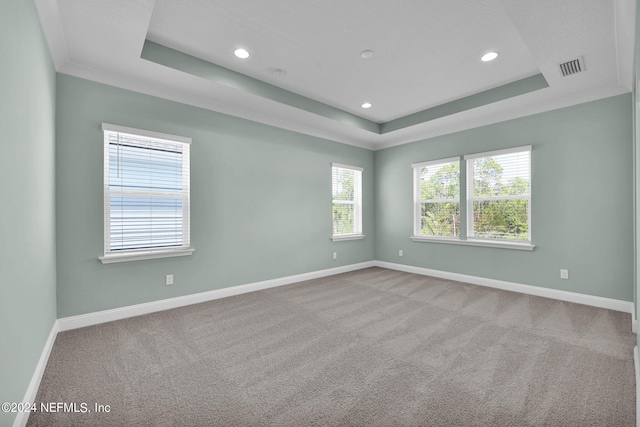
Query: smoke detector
[(279, 72)]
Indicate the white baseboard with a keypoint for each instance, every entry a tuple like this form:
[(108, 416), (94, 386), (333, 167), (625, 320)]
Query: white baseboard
[(34, 384), (611, 304), (80, 321), (636, 367), (634, 323)]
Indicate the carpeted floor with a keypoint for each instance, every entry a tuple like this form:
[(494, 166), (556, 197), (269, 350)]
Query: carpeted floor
[(374, 347)]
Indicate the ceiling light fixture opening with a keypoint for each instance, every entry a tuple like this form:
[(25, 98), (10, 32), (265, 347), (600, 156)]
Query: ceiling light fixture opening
[(241, 53), (278, 72), (366, 54), (366, 105), (489, 56)]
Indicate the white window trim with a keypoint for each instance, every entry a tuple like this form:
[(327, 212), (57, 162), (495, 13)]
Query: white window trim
[(144, 254), (436, 162), (147, 133), (339, 165), (357, 209), (500, 244), (498, 152), (417, 201), (344, 237)]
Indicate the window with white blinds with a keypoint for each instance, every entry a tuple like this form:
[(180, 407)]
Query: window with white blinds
[(146, 193), (347, 201), (499, 195), (436, 198)]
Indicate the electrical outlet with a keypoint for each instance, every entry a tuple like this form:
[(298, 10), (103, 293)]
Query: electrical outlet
[(335, 255), (564, 274), (400, 253), (169, 280)]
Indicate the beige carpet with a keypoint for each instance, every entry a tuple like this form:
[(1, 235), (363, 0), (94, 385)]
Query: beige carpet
[(374, 347)]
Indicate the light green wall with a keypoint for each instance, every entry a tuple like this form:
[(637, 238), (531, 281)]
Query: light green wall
[(582, 201), (260, 196), (27, 222), (636, 157)]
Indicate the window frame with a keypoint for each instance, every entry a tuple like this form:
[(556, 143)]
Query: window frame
[(465, 212), (418, 202), (111, 256), (469, 159), (356, 202)]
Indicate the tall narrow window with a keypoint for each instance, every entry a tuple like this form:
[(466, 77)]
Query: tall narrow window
[(347, 202), (499, 195), (146, 194), (436, 196)]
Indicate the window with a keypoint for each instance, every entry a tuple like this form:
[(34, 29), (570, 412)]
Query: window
[(436, 191), (499, 195), (146, 194), (497, 209), (347, 202)]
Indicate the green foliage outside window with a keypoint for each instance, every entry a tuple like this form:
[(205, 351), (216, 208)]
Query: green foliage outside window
[(492, 219), (499, 219), (440, 182), (343, 218), (441, 219)]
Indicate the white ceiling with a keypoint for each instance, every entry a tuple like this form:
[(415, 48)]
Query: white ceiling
[(426, 53)]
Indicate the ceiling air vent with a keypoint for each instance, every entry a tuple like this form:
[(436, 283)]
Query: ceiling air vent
[(572, 67)]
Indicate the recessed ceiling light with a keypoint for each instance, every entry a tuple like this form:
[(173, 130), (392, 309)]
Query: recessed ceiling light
[(241, 53), (366, 105), (366, 54), (490, 56)]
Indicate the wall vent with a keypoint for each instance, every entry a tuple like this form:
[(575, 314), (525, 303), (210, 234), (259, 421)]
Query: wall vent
[(572, 67)]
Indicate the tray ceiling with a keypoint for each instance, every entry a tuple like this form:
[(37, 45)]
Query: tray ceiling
[(306, 72)]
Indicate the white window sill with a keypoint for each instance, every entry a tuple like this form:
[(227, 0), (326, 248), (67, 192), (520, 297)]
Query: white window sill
[(138, 256), (347, 237), (476, 242)]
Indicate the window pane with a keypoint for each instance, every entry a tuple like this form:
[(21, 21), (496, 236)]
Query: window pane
[(145, 222), (346, 189), (343, 184), (440, 219), (147, 190), (143, 168), (501, 219), (440, 181), (502, 175), (343, 218)]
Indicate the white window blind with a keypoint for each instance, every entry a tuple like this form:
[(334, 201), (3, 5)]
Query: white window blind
[(436, 198), (347, 200), (146, 191), (499, 195)]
